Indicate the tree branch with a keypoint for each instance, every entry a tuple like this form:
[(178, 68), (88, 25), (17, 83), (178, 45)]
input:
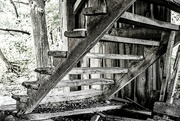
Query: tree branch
[(14, 30), (21, 2), (11, 1)]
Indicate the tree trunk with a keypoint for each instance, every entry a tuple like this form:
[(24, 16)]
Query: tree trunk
[(39, 33)]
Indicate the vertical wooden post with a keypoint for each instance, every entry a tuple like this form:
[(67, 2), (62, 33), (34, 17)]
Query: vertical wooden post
[(167, 68)]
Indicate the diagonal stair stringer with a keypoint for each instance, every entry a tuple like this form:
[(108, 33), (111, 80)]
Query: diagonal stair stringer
[(115, 10)]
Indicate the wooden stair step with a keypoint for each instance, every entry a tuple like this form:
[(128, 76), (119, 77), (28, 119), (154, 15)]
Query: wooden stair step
[(85, 70), (72, 96), (58, 54), (131, 18), (100, 27), (114, 56), (31, 85), (20, 98), (93, 108), (118, 39), (73, 83), (76, 33), (99, 10)]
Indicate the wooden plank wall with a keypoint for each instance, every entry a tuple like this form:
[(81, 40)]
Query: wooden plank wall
[(143, 89)]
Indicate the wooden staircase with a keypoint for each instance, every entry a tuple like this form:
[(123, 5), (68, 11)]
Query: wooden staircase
[(102, 18)]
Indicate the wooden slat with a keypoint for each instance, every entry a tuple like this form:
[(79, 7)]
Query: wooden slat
[(71, 96), (95, 118), (73, 83), (137, 69), (114, 56), (98, 70), (167, 109), (70, 113), (99, 29), (58, 54), (129, 40), (138, 20), (77, 6), (85, 70), (84, 82), (77, 33)]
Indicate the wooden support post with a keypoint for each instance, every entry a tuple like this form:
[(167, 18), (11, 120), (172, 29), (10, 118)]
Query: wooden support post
[(167, 69)]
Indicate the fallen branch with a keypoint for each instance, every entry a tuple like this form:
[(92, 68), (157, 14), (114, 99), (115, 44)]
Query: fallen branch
[(21, 2), (14, 30), (11, 1)]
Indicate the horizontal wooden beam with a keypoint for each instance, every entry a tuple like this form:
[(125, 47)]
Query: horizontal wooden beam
[(167, 109), (100, 27), (135, 19), (85, 70), (72, 96), (129, 40), (97, 109), (58, 54), (84, 82), (78, 4), (114, 56), (73, 83), (98, 70)]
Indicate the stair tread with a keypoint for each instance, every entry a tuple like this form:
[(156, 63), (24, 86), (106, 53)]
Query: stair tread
[(114, 56), (83, 70), (74, 109), (71, 96), (58, 54), (75, 82)]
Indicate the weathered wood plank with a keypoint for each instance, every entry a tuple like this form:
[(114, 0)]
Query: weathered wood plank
[(114, 56), (167, 109), (100, 28), (137, 69), (98, 70), (58, 54), (77, 6), (129, 40), (85, 70), (84, 82), (70, 113), (167, 68), (75, 34), (71, 96), (138, 20), (73, 83)]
